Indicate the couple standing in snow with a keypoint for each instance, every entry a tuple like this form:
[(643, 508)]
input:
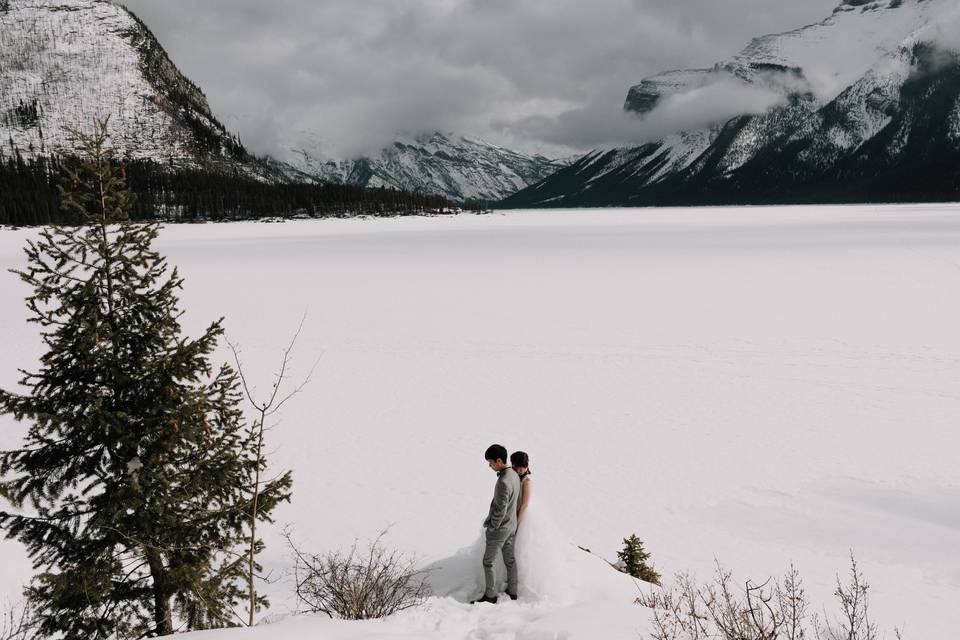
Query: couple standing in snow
[(511, 498), (543, 562)]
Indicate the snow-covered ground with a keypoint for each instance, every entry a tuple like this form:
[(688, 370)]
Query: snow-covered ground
[(758, 386)]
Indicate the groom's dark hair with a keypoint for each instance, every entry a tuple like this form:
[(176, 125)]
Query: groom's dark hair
[(496, 452)]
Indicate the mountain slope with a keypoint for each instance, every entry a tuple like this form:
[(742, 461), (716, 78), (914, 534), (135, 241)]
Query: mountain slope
[(864, 107), (457, 167), (64, 63)]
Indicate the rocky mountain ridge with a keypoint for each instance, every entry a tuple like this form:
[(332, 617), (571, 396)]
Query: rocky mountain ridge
[(864, 106), (458, 167)]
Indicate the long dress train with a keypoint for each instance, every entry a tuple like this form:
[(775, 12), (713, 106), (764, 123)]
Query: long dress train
[(550, 566)]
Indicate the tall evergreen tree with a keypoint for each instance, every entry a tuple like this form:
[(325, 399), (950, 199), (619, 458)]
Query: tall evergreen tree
[(132, 489)]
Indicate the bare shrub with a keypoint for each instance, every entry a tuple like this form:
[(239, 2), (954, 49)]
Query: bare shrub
[(769, 610), (17, 622), (853, 623), (358, 584)]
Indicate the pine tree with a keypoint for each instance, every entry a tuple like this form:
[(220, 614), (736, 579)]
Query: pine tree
[(633, 561), (132, 488)]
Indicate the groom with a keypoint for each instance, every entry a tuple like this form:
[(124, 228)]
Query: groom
[(501, 525)]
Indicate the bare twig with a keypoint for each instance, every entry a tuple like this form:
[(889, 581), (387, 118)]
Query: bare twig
[(265, 409), (17, 622), (854, 620)]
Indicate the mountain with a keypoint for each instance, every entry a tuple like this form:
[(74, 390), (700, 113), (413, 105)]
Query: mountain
[(64, 63), (863, 106), (457, 167)]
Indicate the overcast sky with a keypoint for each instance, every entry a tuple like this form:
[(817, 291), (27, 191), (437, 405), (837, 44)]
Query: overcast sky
[(343, 77)]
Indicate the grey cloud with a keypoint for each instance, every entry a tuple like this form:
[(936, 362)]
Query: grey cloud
[(712, 104), (343, 77), (946, 33), (602, 124)]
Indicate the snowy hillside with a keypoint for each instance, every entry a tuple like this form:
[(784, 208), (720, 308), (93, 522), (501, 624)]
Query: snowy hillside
[(64, 63), (457, 167), (832, 108), (450, 620)]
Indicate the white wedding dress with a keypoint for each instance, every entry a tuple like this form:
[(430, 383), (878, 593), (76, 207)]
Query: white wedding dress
[(549, 566)]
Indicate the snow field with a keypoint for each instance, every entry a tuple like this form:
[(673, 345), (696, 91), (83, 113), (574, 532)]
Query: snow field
[(758, 386)]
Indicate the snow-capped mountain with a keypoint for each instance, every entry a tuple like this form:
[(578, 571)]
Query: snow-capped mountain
[(458, 167), (64, 63), (863, 106)]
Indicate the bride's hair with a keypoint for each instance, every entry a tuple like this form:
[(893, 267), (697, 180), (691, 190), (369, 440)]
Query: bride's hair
[(520, 459)]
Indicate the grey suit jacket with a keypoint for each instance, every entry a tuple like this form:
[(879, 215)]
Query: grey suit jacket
[(502, 519)]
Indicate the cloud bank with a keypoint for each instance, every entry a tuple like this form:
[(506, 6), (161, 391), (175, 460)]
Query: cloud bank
[(605, 124), (343, 78)]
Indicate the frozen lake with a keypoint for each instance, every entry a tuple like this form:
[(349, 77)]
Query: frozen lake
[(759, 385)]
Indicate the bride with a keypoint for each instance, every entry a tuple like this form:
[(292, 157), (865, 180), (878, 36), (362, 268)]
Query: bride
[(549, 566), (539, 542)]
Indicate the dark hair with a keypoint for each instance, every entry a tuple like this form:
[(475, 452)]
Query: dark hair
[(496, 452), (519, 459)]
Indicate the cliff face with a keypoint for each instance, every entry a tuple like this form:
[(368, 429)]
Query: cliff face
[(64, 63), (863, 106)]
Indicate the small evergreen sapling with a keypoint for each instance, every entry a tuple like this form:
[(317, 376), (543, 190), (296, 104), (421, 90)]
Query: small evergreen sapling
[(633, 561), (132, 488)]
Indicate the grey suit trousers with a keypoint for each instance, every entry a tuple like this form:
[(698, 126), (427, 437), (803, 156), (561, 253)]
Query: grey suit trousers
[(501, 541)]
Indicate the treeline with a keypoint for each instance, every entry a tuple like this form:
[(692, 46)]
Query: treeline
[(29, 195)]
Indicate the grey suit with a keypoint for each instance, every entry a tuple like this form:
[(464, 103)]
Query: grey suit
[(501, 526)]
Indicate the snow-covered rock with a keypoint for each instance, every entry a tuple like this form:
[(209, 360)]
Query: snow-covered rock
[(65, 63)]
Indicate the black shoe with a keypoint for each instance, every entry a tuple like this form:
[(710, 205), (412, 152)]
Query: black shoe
[(484, 598), (513, 596)]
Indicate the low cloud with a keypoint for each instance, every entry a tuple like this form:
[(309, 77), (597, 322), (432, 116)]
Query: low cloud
[(714, 103), (342, 77), (603, 125), (945, 32)]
